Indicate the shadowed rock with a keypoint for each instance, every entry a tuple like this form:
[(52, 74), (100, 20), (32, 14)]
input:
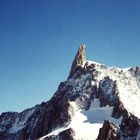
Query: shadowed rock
[(109, 131), (64, 135)]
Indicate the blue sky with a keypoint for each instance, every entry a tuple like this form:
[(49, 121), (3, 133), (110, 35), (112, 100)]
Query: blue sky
[(39, 39)]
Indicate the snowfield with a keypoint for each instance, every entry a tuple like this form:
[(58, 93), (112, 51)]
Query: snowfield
[(87, 123)]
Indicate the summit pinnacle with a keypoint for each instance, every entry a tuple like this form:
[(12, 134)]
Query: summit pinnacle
[(79, 59)]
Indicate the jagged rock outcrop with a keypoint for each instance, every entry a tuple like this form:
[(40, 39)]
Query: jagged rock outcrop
[(105, 86), (79, 60), (33, 123), (67, 134), (128, 129), (109, 131), (118, 110), (92, 94)]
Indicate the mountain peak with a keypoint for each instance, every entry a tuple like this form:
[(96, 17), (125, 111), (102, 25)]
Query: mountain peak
[(79, 60), (96, 102)]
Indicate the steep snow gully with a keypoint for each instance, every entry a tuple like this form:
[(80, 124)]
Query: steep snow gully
[(96, 102)]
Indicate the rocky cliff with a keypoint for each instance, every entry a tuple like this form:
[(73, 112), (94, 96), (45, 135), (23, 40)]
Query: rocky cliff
[(79, 60)]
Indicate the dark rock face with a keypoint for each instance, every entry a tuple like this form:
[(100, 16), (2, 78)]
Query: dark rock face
[(137, 75), (67, 134), (107, 92), (118, 110), (129, 126), (109, 131), (52, 137)]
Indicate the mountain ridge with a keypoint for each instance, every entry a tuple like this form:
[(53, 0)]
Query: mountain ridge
[(104, 99)]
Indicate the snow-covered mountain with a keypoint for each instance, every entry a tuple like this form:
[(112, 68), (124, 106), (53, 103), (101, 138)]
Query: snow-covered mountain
[(96, 102)]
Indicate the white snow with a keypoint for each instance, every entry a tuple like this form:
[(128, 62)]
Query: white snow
[(130, 99), (120, 69), (93, 62), (84, 130)]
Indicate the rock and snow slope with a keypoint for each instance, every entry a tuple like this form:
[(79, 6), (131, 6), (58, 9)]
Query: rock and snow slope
[(95, 102)]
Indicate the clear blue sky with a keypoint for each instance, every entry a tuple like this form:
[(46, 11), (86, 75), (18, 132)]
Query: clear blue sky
[(39, 39)]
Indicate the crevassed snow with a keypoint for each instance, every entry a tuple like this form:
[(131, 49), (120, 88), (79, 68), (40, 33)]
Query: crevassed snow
[(87, 123)]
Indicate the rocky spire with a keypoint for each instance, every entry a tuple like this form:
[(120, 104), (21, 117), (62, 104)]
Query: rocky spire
[(79, 59)]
